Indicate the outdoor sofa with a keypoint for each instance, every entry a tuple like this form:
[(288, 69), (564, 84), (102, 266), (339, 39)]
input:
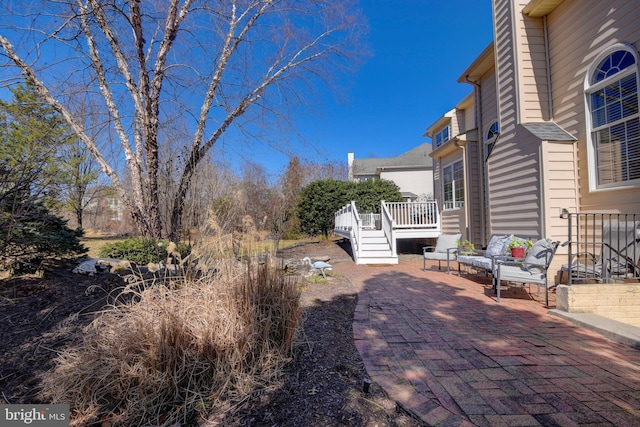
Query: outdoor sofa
[(484, 260)]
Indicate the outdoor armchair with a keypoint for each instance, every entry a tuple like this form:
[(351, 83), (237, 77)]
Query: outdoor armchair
[(446, 249), (533, 269)]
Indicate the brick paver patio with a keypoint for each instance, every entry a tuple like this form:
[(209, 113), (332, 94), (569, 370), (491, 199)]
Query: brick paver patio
[(444, 349)]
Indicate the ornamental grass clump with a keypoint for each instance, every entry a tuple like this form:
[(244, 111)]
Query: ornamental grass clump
[(173, 353)]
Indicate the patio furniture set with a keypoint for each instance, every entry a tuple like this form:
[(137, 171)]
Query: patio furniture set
[(618, 258), (495, 261)]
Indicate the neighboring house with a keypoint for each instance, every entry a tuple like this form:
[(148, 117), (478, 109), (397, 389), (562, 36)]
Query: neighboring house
[(552, 122), (412, 171), (104, 211)]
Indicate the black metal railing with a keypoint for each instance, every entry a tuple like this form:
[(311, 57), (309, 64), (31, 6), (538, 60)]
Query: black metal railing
[(602, 247)]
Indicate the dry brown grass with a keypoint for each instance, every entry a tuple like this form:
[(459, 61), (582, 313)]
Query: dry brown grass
[(183, 348)]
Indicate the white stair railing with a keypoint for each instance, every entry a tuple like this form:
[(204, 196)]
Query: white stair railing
[(388, 225), (349, 224)]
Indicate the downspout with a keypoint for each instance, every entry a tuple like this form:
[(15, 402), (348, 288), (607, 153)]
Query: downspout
[(545, 29), (481, 166)]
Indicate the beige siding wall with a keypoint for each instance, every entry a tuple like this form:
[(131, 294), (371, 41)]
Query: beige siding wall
[(506, 84), (559, 184), (458, 122), (473, 194), (437, 181), (469, 119), (489, 114), (559, 181), (578, 32), (515, 192), (489, 101), (419, 182), (514, 168), (453, 222), (532, 80)]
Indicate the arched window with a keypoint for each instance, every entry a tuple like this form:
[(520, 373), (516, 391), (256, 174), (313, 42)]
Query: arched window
[(611, 93), (493, 131), (490, 139)]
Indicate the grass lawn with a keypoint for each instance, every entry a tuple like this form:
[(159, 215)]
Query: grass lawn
[(95, 243)]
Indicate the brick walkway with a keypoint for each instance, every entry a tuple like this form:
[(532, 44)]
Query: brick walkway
[(444, 349)]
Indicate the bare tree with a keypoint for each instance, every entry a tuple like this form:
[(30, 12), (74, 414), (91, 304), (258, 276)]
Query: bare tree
[(209, 63), (79, 172)]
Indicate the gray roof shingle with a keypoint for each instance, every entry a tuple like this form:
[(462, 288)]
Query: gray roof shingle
[(417, 157), (548, 131)]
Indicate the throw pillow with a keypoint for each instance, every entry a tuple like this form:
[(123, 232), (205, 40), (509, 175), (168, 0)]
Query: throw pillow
[(497, 245), (539, 252)]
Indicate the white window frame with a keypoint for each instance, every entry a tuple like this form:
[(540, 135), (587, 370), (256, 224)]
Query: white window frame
[(589, 88), (452, 204), (440, 134)]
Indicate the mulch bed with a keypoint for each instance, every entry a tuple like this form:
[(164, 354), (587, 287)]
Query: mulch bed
[(322, 385)]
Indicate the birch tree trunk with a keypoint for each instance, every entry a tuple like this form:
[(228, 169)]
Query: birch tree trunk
[(153, 64)]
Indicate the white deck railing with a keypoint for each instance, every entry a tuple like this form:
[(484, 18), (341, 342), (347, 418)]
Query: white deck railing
[(370, 220), (405, 215), (416, 215)]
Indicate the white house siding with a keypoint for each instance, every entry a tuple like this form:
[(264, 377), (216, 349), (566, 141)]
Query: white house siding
[(419, 182), (578, 32)]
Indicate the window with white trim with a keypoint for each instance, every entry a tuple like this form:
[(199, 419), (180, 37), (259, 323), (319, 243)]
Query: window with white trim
[(442, 136), (453, 182), (611, 93)]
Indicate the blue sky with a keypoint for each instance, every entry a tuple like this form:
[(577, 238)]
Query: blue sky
[(419, 49)]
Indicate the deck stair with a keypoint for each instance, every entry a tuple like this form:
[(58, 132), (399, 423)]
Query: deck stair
[(374, 237), (375, 249)]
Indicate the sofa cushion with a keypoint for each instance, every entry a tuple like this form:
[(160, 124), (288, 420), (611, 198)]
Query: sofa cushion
[(438, 256), (498, 245), (447, 241), (477, 261)]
